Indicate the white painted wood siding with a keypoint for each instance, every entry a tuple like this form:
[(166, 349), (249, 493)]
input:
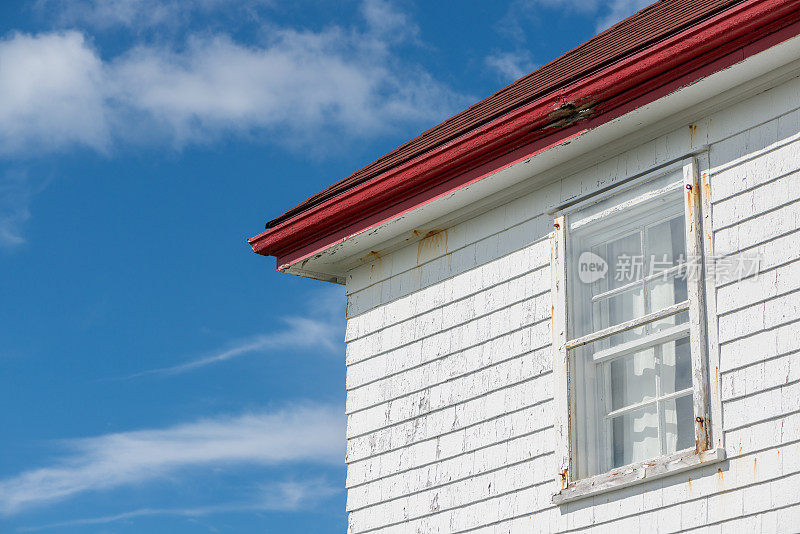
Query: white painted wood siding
[(449, 359)]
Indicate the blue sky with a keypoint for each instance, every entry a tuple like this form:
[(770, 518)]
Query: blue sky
[(155, 374)]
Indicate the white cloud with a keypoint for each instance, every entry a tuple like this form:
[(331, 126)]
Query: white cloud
[(282, 496), (388, 23), (137, 14), (300, 85), (618, 10), (52, 93), (311, 433), (584, 6), (301, 88), (511, 65)]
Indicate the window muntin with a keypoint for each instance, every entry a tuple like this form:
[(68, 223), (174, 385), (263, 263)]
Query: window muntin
[(632, 391)]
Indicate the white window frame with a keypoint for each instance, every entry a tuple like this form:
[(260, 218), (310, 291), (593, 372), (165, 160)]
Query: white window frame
[(703, 342)]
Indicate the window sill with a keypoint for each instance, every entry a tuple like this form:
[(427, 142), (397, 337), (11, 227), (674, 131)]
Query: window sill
[(637, 473)]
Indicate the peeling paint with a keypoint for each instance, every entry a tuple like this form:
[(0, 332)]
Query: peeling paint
[(568, 113)]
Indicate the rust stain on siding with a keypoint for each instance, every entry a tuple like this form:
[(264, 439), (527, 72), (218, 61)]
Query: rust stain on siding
[(375, 258), (372, 255), (432, 242)]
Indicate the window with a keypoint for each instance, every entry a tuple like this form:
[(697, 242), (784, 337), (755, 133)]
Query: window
[(629, 326)]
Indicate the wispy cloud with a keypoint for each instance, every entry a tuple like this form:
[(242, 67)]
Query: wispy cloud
[(618, 10), (606, 12), (138, 15), (511, 65), (300, 332), (16, 193), (523, 13), (292, 87), (305, 433), (322, 328), (282, 496)]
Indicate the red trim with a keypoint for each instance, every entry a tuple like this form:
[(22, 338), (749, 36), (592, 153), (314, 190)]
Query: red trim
[(713, 45)]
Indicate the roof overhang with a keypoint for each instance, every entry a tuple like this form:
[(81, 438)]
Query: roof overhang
[(679, 74)]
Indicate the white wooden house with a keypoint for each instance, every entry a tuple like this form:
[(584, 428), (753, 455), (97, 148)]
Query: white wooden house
[(575, 306)]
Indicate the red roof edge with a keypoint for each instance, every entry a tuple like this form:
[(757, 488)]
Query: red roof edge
[(712, 45)]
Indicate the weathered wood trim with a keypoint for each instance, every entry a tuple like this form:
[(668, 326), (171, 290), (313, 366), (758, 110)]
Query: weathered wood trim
[(695, 289), (637, 473), (561, 368), (714, 385)]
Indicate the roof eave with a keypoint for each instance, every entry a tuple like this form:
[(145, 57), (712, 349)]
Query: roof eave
[(723, 40)]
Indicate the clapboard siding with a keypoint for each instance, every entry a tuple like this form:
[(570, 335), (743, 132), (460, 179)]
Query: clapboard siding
[(455, 369), (769, 284), (443, 395), (450, 366), (468, 442), (444, 471), (762, 375)]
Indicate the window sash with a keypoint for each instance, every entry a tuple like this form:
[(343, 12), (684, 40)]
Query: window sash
[(695, 305)]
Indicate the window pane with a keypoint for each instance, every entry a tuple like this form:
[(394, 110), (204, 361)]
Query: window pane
[(633, 379), (616, 309), (664, 291), (635, 436), (624, 257), (678, 424), (676, 366), (665, 244)]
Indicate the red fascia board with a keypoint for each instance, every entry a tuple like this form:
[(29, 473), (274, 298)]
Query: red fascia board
[(654, 72)]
